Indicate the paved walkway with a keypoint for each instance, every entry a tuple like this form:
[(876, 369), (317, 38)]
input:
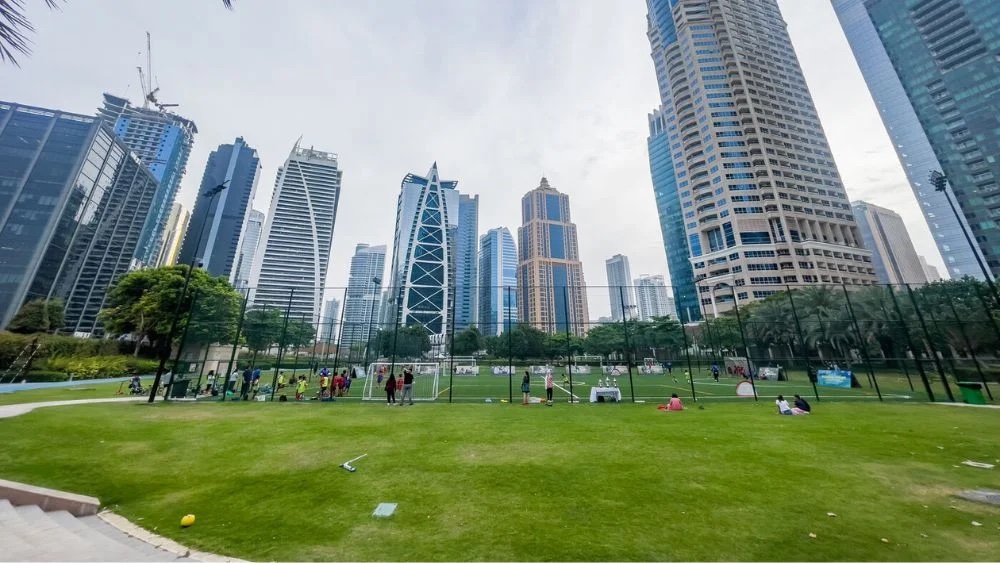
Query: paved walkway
[(8, 411), (968, 405)]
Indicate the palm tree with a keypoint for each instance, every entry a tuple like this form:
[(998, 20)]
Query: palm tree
[(15, 27)]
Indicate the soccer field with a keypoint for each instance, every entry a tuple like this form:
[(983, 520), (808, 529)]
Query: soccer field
[(512, 482)]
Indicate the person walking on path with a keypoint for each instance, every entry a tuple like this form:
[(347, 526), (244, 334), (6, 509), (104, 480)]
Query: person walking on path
[(548, 389), (407, 385), (390, 390), (525, 387)]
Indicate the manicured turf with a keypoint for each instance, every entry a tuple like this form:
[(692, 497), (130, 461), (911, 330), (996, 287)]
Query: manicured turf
[(506, 482), (85, 389)]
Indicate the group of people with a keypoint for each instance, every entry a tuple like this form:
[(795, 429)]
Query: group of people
[(403, 384), (526, 388), (337, 386), (801, 406)]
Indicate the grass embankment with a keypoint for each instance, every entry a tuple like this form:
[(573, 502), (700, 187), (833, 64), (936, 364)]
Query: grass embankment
[(507, 482)]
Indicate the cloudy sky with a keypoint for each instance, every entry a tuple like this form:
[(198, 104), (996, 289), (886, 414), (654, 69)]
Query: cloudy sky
[(498, 93)]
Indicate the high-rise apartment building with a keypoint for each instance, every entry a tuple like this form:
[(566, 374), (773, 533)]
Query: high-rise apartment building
[(223, 219), (423, 254), (497, 281), (552, 293), (330, 321), (294, 248), (162, 140), (362, 305), (908, 137), (73, 202), (620, 290), (895, 259), (249, 245), (173, 235), (945, 55), (654, 301), (466, 250), (930, 272), (762, 201)]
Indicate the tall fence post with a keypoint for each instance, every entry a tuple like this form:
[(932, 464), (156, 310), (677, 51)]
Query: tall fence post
[(340, 338), (510, 357), (183, 342), (629, 354), (451, 347), (281, 344), (803, 349), (911, 346), (687, 353), (569, 350), (930, 344), (862, 345), (743, 338), (236, 345), (906, 370), (968, 344)]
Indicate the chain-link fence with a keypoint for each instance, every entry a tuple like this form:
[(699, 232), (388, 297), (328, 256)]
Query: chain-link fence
[(936, 342)]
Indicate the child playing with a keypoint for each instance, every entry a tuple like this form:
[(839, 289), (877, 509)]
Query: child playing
[(675, 403), (300, 388)]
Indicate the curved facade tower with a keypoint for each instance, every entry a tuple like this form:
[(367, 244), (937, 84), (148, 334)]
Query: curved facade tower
[(294, 247), (423, 254)]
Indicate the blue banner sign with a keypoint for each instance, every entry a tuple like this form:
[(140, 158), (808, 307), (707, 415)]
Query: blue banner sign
[(834, 378)]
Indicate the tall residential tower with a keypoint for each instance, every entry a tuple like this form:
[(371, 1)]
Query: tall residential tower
[(294, 248), (654, 301), (466, 250), (762, 201), (896, 261), (497, 281), (620, 291), (552, 294), (364, 294)]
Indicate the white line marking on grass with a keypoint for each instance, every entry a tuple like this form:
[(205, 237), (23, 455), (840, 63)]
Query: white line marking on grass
[(564, 390), (442, 391)]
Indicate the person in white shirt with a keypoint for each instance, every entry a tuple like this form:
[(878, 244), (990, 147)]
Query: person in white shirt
[(783, 407)]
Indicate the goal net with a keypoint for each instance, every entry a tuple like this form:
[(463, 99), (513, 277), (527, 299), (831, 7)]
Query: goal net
[(426, 379), (461, 365)]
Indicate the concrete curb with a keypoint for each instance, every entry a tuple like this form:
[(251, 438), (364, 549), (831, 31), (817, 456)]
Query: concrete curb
[(128, 528), (968, 405), (49, 500)]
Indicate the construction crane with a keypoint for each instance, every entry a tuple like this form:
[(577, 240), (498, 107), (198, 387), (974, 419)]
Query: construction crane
[(146, 81)]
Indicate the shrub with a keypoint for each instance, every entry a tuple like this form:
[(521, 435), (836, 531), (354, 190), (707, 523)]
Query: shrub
[(42, 377)]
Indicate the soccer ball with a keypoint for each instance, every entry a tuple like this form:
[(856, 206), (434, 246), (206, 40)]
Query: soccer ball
[(187, 521)]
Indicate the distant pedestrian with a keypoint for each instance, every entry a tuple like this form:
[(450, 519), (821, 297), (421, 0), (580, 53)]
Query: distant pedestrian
[(247, 382), (670, 369), (347, 386), (390, 390), (715, 371), (548, 389), (525, 387), (407, 385)]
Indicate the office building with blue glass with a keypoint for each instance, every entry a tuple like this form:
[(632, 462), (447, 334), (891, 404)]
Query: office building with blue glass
[(945, 54), (163, 141), (497, 291), (552, 294), (908, 139), (224, 220), (73, 200), (466, 263)]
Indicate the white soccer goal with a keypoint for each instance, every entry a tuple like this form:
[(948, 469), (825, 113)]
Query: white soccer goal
[(426, 379), (461, 365)]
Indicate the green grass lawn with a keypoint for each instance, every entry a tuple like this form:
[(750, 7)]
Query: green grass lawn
[(85, 389), (506, 482)]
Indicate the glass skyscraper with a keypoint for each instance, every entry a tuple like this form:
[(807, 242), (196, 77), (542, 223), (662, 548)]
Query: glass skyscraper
[(761, 200), (162, 140), (294, 248), (423, 254), (223, 219), (73, 200), (945, 53), (466, 247), (896, 261), (908, 138), (497, 281), (620, 291), (552, 293), (362, 306)]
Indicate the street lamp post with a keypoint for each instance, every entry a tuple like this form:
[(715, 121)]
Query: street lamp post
[(371, 317), (940, 183), (165, 349)]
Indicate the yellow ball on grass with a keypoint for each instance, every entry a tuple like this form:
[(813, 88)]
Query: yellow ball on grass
[(187, 521)]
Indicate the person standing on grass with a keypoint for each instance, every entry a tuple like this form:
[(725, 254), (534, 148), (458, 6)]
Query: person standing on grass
[(548, 389), (347, 386), (247, 381), (715, 371), (526, 387), (324, 380), (390, 390), (407, 385), (670, 369)]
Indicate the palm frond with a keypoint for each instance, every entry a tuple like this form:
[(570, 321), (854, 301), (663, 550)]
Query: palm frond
[(14, 29)]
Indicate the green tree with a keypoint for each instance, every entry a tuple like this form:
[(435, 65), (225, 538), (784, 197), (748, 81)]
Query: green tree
[(38, 315), (143, 302), (468, 342), (409, 341), (526, 341), (300, 333), (562, 344), (605, 339), (262, 329)]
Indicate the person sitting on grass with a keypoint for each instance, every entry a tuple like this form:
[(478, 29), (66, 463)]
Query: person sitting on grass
[(675, 403), (783, 407), (802, 404)]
